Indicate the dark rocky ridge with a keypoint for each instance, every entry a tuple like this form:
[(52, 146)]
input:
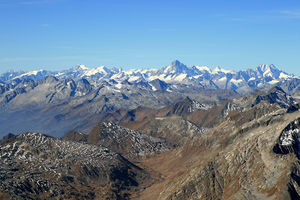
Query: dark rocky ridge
[(131, 144), (35, 166)]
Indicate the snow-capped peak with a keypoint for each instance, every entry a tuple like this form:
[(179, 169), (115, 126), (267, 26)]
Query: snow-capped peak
[(175, 73), (220, 70), (80, 68), (177, 68), (203, 68), (98, 70), (31, 73), (270, 71)]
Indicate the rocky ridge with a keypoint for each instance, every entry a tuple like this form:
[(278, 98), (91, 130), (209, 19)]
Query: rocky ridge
[(36, 166), (131, 144)]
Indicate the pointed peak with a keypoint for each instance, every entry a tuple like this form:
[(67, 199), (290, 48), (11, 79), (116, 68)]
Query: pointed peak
[(217, 69), (80, 67), (220, 70), (265, 67), (102, 68), (176, 63), (175, 67)]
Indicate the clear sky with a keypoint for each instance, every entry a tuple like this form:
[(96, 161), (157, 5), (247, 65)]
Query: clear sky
[(58, 34)]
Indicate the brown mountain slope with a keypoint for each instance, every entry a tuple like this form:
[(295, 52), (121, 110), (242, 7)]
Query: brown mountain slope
[(231, 161), (174, 129)]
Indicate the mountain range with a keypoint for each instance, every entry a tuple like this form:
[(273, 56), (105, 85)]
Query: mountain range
[(176, 73), (58, 102)]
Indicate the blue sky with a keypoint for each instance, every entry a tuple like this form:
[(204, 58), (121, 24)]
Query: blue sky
[(58, 34)]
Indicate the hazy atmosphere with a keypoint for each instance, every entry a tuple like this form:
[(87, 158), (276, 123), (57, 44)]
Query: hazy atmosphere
[(59, 34)]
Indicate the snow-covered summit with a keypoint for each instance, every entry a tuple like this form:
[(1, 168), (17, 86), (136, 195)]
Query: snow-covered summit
[(220, 70)]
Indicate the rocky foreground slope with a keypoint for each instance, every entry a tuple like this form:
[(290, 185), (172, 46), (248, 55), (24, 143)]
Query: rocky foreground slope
[(36, 166)]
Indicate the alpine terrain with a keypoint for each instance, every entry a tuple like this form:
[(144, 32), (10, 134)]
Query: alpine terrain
[(178, 132)]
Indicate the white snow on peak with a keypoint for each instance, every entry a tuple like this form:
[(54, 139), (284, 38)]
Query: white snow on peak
[(203, 68), (134, 78), (153, 87), (218, 69), (284, 76), (31, 73), (82, 67), (272, 82), (98, 70), (286, 138), (119, 85), (236, 81), (180, 77), (132, 71), (169, 69), (119, 76), (264, 67), (222, 79), (267, 72)]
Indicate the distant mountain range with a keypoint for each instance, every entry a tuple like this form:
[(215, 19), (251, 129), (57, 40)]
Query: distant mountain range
[(58, 102), (243, 81)]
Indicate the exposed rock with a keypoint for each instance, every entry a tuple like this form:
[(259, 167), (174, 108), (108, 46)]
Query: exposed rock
[(35, 166), (288, 141), (131, 144)]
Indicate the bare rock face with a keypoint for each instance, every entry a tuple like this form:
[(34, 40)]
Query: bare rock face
[(288, 141), (36, 166), (131, 144)]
